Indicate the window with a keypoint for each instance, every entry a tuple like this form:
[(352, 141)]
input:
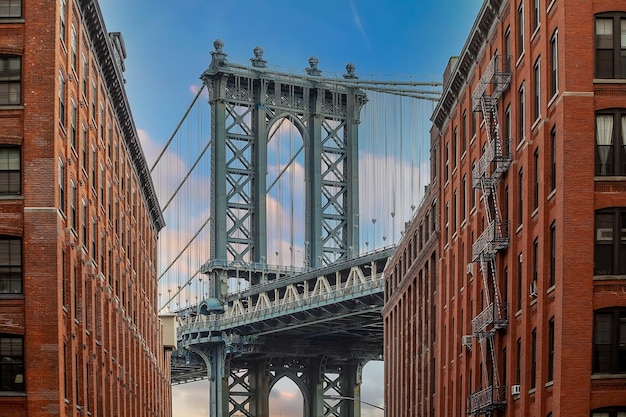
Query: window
[(10, 8), (610, 242), (610, 142), (521, 119), (553, 159), (10, 80), (537, 180), (61, 99), (85, 75), (464, 132), (63, 21), (552, 277), (507, 46), (447, 163), (12, 363), (73, 128), (551, 349), (507, 124), (535, 261), (61, 186), (533, 367), (554, 64), (83, 148), (609, 412), (518, 370), (536, 14), (520, 30), (520, 279), (611, 45), (73, 202), (609, 333), (454, 148), (74, 47), (83, 223), (520, 197), (537, 90), (10, 171), (10, 265)]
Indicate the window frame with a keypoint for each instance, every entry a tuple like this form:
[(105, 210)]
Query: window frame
[(554, 63), (10, 80), (537, 90), (613, 153), (10, 6), (11, 265), (15, 366), (13, 181), (520, 30), (609, 249), (612, 348), (611, 47)]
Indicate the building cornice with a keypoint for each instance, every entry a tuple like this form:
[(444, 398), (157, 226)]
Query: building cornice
[(476, 41), (114, 82)]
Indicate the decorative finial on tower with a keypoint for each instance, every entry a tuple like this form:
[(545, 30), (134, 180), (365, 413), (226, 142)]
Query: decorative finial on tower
[(258, 60), (313, 61), (350, 71), (218, 57)]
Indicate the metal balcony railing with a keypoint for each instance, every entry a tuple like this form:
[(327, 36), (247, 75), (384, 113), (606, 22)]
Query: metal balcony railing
[(486, 400), (498, 73), (498, 157), (494, 238), (495, 315)]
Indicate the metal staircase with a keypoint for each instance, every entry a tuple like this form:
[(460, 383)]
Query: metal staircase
[(493, 163)]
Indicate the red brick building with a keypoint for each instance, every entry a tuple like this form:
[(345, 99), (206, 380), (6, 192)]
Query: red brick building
[(530, 162), (79, 219)]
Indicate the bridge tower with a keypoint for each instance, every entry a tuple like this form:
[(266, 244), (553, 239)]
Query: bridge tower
[(495, 161), (247, 103)]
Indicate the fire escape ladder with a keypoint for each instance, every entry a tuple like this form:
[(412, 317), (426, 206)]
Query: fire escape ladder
[(494, 161)]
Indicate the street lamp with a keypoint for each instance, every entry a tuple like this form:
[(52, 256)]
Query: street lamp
[(342, 397)]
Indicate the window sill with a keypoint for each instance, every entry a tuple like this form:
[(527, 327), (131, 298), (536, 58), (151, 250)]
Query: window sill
[(553, 99), (536, 123), (520, 59), (609, 277), (552, 3), (11, 296), (535, 32), (6, 20), (521, 144), (613, 178), (609, 81), (551, 195), (11, 197), (608, 376), (12, 107), (12, 394)]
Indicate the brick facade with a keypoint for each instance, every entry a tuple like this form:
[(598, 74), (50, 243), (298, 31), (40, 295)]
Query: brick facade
[(80, 327), (546, 278)]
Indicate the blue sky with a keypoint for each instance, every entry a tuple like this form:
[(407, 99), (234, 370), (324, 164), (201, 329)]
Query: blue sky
[(168, 46)]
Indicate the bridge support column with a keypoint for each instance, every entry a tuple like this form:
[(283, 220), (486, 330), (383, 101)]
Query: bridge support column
[(259, 382), (213, 356)]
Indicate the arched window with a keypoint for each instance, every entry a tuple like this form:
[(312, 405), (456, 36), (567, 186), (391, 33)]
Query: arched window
[(609, 349), (610, 242)]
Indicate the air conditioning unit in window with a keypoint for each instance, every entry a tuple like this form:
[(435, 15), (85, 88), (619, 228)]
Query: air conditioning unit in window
[(516, 390), (467, 341), (470, 268), (533, 289)]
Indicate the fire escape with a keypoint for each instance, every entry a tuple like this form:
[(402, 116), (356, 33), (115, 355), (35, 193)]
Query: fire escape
[(486, 174)]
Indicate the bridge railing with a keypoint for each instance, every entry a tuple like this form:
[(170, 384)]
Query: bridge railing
[(215, 322)]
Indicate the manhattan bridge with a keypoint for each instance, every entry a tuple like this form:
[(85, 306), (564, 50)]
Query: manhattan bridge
[(284, 195)]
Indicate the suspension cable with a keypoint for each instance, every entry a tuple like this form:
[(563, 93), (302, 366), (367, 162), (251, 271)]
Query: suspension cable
[(177, 128)]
